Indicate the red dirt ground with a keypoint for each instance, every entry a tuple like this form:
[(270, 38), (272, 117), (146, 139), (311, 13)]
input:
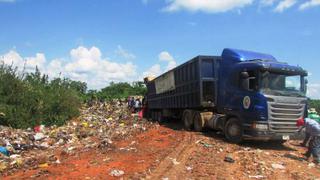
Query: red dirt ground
[(169, 152)]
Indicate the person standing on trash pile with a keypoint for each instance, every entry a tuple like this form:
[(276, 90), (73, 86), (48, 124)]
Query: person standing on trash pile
[(313, 128), (132, 103), (137, 105), (128, 102), (312, 114)]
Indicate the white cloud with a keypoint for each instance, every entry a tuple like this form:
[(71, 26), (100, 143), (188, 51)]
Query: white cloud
[(38, 61), (209, 6), (314, 91), (124, 53), (89, 66), (26, 64), (84, 64), (267, 2), (285, 4), (220, 6), (153, 71), (171, 65), (12, 58), (55, 68), (156, 69), (309, 4), (165, 56)]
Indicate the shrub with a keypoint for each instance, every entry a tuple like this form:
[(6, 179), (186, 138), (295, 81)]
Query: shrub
[(30, 99)]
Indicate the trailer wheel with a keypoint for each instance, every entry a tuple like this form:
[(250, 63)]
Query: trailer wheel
[(198, 122), (187, 119), (233, 130)]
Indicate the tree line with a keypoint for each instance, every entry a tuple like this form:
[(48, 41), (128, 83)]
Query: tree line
[(30, 99)]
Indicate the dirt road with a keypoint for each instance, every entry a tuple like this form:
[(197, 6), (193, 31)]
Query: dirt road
[(169, 152)]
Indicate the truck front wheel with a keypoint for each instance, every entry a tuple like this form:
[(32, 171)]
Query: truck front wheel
[(187, 119), (233, 130)]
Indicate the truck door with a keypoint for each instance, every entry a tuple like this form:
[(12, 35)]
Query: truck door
[(240, 98)]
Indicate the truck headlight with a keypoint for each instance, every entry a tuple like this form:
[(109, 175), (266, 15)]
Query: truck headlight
[(260, 126)]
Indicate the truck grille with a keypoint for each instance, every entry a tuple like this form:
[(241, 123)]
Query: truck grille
[(283, 117)]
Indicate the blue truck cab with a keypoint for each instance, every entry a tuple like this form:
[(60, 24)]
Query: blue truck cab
[(247, 95), (263, 97)]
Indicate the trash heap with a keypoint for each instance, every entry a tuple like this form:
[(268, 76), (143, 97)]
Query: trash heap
[(96, 128)]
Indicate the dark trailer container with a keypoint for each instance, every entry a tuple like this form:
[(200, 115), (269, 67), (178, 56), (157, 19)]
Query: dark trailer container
[(191, 85)]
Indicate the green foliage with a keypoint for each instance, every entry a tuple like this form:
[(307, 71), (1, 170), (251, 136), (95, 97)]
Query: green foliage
[(31, 99), (118, 91), (315, 104)]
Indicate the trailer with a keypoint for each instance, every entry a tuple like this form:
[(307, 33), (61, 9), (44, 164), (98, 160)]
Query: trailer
[(247, 95)]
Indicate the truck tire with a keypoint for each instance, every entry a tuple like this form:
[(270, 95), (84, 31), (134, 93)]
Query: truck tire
[(187, 119), (198, 122), (233, 131)]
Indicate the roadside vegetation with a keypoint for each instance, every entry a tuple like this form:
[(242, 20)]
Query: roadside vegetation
[(30, 99), (315, 104)]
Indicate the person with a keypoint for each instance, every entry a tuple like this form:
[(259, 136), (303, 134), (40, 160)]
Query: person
[(137, 105), (313, 128), (312, 114), (132, 103), (129, 102)]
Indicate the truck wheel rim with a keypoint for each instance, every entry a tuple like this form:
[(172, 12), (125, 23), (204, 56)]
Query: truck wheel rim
[(234, 130)]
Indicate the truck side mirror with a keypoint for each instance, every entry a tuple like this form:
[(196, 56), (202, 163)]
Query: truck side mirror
[(306, 81)]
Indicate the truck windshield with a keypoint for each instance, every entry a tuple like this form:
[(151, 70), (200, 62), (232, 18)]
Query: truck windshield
[(281, 84)]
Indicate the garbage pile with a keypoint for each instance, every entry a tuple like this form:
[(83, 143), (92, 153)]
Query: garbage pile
[(40, 147)]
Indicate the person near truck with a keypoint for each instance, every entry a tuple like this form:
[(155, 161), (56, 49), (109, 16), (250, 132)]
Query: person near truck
[(313, 129), (312, 114)]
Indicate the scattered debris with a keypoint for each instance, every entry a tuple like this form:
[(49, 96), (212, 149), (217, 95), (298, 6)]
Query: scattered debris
[(4, 151), (116, 173), (96, 127), (175, 162), (277, 166), (229, 159), (311, 165), (207, 145), (44, 165), (189, 168), (257, 177)]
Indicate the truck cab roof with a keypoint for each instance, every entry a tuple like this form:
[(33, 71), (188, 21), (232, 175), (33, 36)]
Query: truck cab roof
[(242, 55), (249, 59)]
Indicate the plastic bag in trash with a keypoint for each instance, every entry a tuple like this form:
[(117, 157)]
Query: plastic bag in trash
[(4, 151)]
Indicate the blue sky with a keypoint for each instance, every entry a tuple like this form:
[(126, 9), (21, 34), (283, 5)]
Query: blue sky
[(99, 41)]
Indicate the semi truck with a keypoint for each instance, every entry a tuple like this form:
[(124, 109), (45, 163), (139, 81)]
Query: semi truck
[(244, 94)]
